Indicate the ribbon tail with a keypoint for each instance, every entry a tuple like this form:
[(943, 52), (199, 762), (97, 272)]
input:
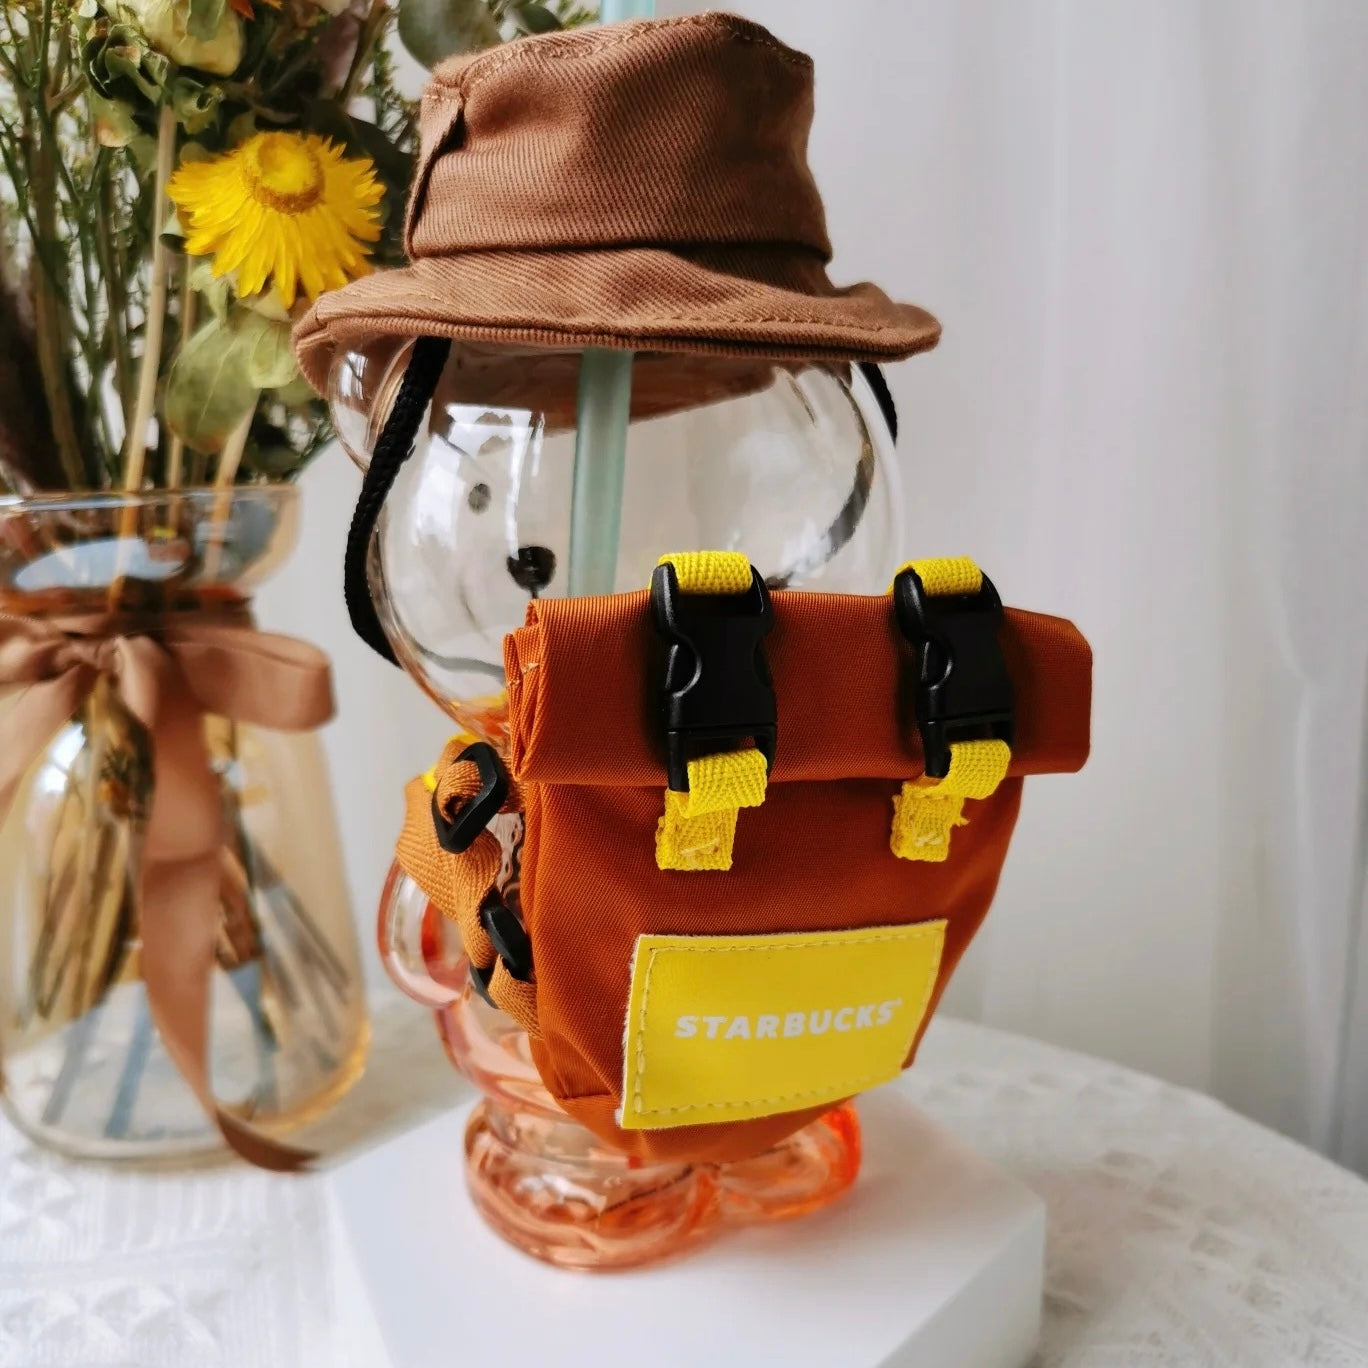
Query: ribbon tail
[(179, 899), (180, 915)]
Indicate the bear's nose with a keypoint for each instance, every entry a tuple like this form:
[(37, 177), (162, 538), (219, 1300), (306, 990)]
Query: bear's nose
[(533, 568)]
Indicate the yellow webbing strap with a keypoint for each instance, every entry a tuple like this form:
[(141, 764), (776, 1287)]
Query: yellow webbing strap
[(698, 828), (457, 885), (946, 575), (456, 743), (710, 572), (927, 810)]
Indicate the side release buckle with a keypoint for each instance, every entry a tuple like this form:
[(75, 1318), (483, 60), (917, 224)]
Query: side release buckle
[(456, 837), (717, 688), (511, 944), (963, 690), (506, 933)]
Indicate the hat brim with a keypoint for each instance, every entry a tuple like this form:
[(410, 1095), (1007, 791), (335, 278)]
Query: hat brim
[(740, 302)]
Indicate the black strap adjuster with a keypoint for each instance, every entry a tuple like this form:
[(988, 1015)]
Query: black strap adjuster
[(511, 944), (963, 690), (476, 814), (717, 688)]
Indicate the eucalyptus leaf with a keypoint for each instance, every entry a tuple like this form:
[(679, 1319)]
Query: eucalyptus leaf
[(216, 291), (195, 104), (241, 128), (531, 17), (267, 303), (434, 29), (180, 31), (209, 389), (271, 453), (123, 66), (113, 121), (270, 358), (572, 15), (276, 460), (143, 150), (204, 18), (172, 234), (297, 393)]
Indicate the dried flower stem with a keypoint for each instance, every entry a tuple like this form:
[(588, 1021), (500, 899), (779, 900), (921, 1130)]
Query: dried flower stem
[(48, 325), (135, 440), (175, 457), (112, 270), (371, 26), (229, 460), (233, 449), (87, 852)]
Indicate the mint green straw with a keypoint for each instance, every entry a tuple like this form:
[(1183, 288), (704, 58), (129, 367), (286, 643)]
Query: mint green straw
[(605, 403)]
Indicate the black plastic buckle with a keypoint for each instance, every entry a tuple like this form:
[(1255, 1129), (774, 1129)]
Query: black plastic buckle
[(457, 837), (717, 686), (964, 692), (511, 944)]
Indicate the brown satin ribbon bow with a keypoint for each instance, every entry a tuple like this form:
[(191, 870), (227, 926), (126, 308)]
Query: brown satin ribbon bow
[(169, 671)]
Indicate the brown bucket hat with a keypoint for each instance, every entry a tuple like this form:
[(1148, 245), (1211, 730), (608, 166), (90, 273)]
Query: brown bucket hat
[(639, 186)]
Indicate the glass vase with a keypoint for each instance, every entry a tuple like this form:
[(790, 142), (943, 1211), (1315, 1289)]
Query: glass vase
[(85, 1069)]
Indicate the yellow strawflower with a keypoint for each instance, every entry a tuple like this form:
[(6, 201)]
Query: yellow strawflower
[(287, 209)]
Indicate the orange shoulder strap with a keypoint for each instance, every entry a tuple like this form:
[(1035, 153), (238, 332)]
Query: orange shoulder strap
[(460, 886)]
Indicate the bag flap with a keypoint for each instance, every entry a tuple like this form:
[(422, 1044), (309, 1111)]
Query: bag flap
[(583, 686)]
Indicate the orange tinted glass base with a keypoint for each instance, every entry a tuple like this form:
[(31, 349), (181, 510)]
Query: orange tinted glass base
[(551, 1188), (547, 1185)]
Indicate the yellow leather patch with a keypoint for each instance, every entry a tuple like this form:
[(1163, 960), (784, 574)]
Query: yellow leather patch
[(724, 1028)]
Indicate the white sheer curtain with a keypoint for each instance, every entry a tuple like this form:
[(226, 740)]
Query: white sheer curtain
[(1145, 228), (1144, 225)]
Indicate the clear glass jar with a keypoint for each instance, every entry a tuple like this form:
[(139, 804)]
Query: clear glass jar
[(791, 464), (84, 1068)]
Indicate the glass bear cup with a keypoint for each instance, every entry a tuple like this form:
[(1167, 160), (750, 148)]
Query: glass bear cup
[(790, 463)]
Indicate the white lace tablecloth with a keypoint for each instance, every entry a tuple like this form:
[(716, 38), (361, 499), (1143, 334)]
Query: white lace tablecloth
[(1179, 1234)]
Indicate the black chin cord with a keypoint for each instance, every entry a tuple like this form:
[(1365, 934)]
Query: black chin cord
[(874, 378), (391, 451)]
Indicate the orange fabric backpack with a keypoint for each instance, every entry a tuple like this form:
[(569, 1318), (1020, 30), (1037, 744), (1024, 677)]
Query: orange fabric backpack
[(760, 831)]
